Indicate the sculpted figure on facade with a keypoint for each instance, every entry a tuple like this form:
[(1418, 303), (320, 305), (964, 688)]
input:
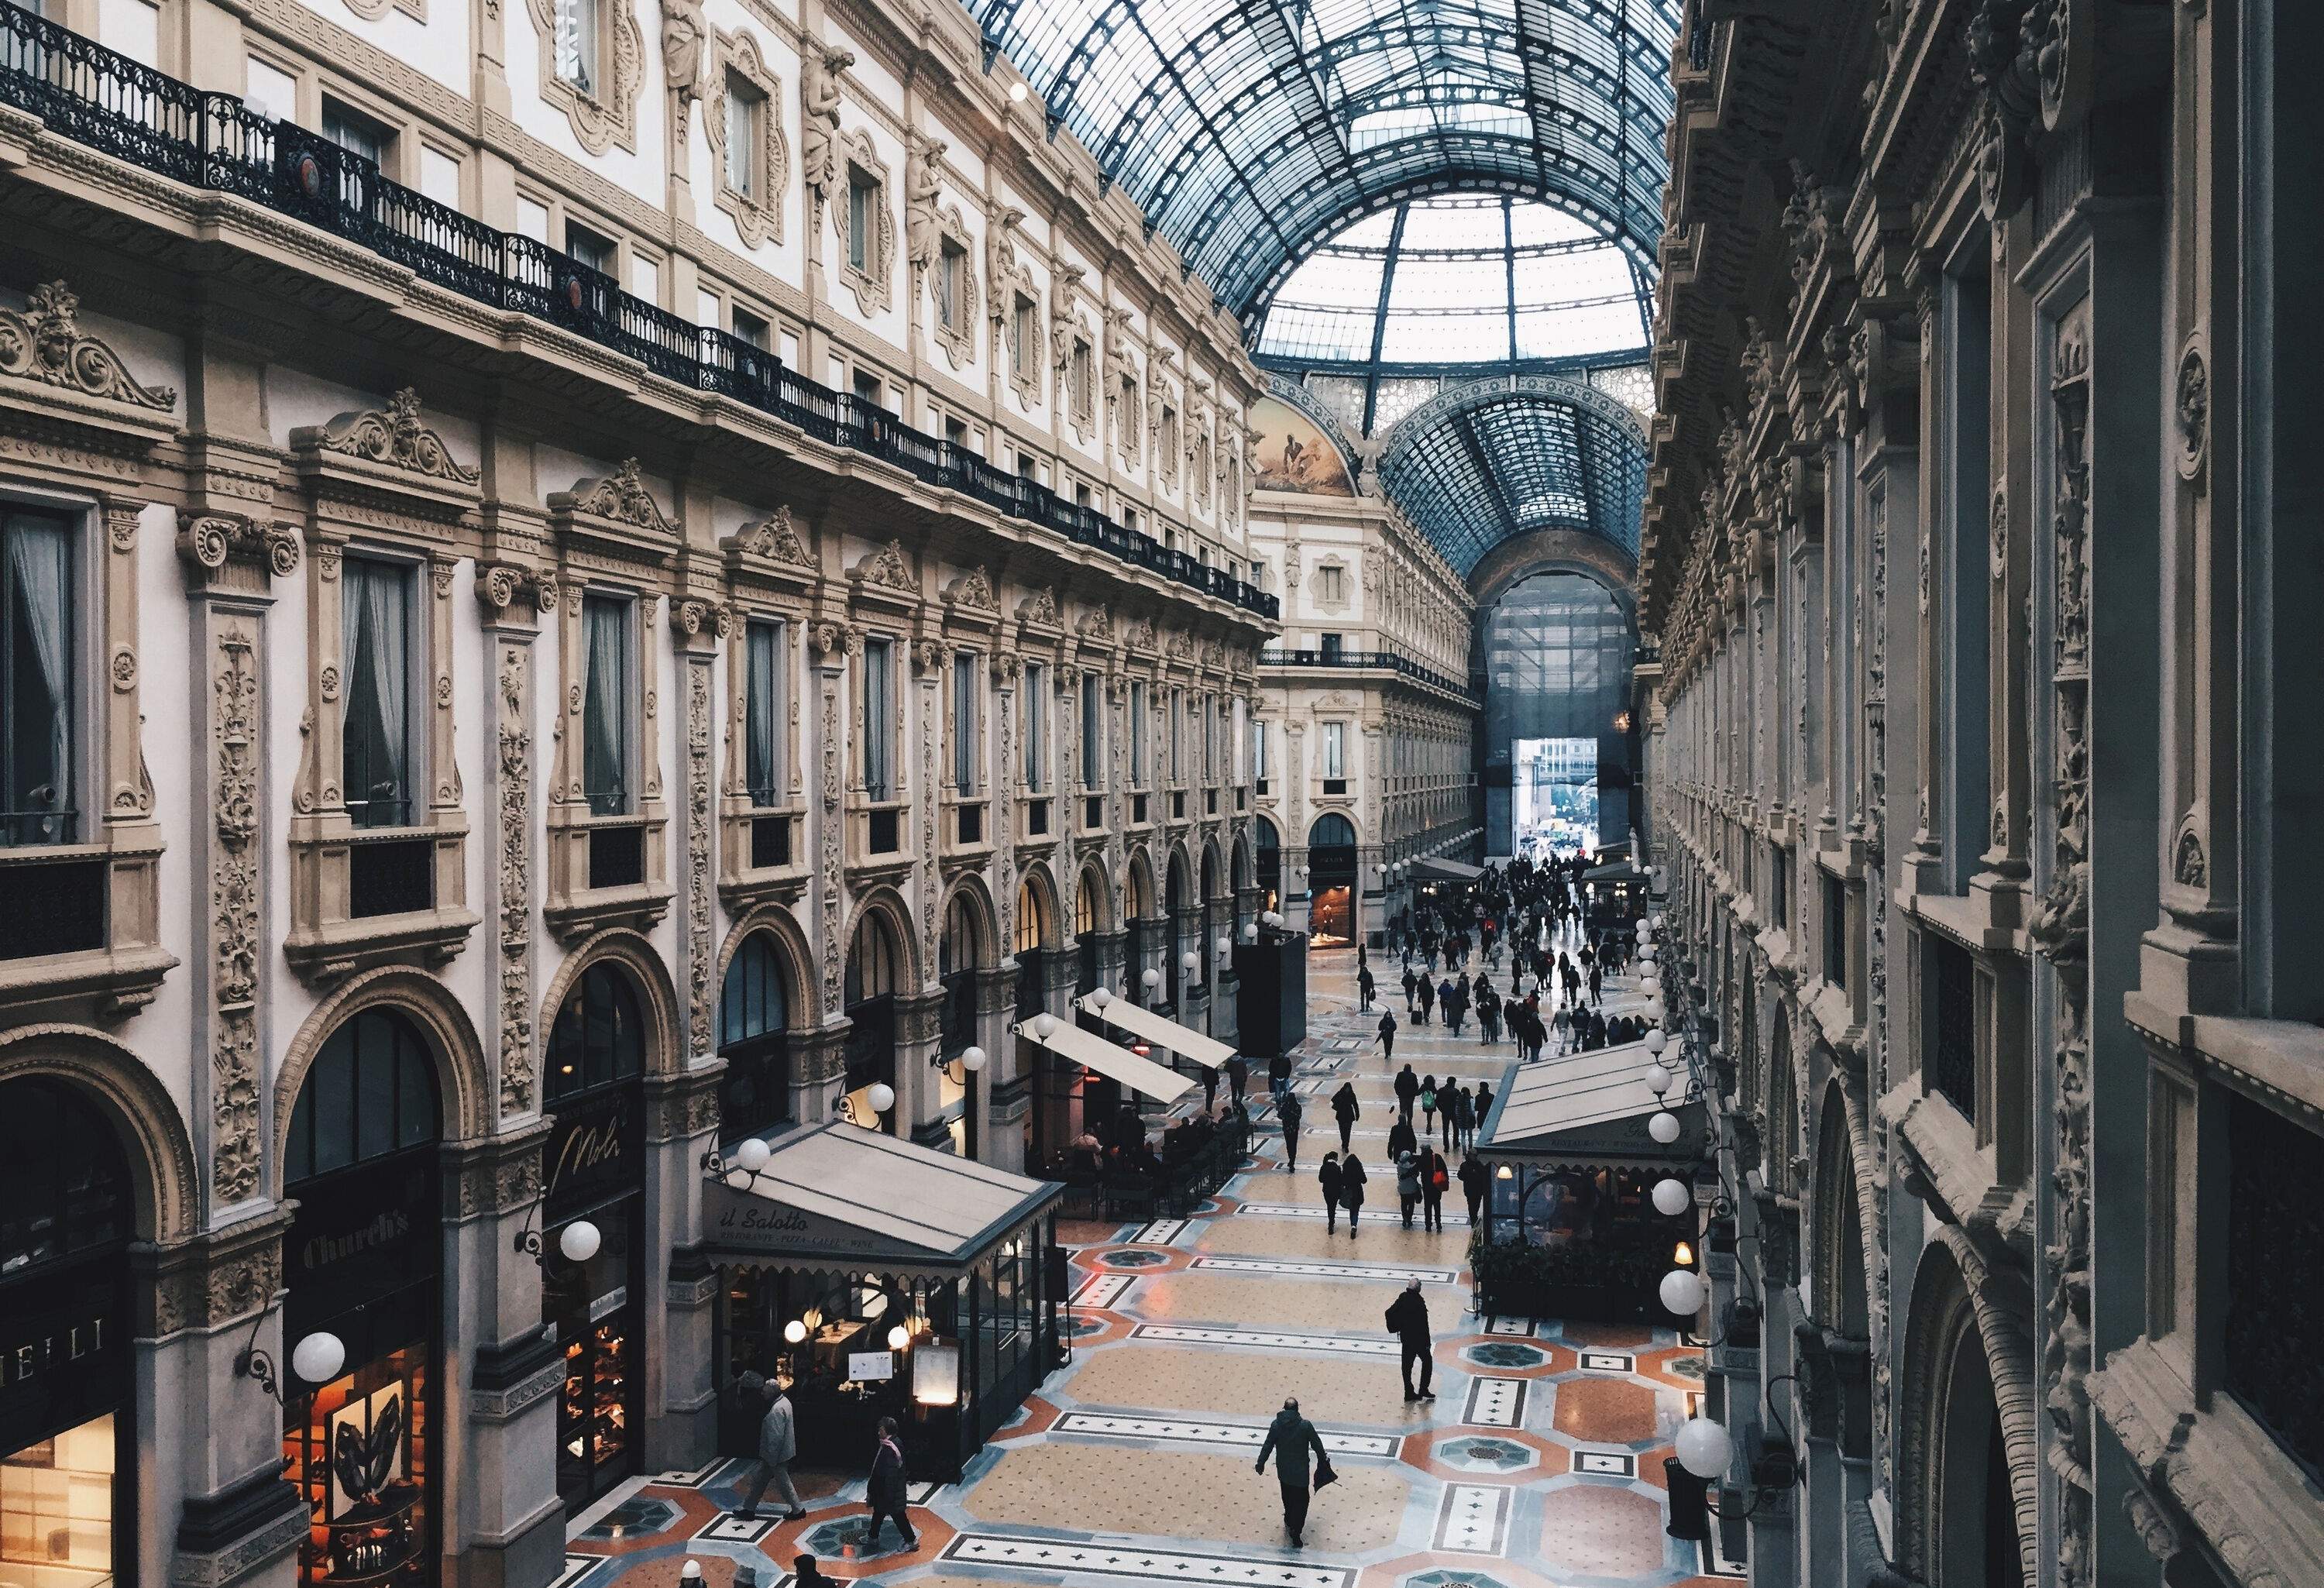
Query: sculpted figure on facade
[(820, 98)]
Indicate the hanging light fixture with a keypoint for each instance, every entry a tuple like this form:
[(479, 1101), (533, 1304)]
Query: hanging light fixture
[(1664, 1127), (1044, 1025), (881, 1097), (971, 1058), (1702, 1447), (1099, 998), (1151, 979), (795, 1331), (1682, 1293), (1672, 1197)]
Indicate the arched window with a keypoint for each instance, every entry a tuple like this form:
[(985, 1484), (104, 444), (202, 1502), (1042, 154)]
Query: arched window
[(754, 1039), (1267, 845), (1032, 920), (600, 1036), (370, 1092), (956, 959), (874, 968), (1331, 831), (1085, 930), (64, 1185), (871, 961)]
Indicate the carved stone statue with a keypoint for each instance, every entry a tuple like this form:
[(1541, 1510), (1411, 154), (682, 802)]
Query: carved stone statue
[(819, 101), (922, 185), (1061, 314), (684, 35), (1001, 258)]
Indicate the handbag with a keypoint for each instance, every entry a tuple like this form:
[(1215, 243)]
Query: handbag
[(1325, 1474)]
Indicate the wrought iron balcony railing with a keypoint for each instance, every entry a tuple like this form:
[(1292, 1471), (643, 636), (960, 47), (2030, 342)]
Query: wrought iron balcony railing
[(97, 96), (1395, 660)]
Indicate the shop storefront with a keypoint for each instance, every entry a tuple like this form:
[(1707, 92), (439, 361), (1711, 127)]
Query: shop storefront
[(361, 1264), (593, 1234), (1571, 1227), (876, 1278), (67, 1448)]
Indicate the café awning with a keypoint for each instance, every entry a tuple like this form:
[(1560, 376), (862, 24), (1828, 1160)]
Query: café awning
[(1160, 1030), (836, 1196), (1435, 869), (1115, 1063), (1588, 1108)]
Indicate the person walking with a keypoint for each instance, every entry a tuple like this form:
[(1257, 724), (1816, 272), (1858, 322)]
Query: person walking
[(1473, 1183), (1407, 1091), (1407, 1182), (1292, 1440), (1407, 1320), (1596, 973), (1448, 1110), (777, 1448), (1427, 1105), (883, 1491), (1237, 1078), (1289, 1111), (1433, 1179), (1411, 983), (1564, 1029), (1364, 986), (1427, 998), (1328, 1177), (1351, 1189), (1344, 1109), (1400, 1139), (1388, 1035), (1278, 1076), (1484, 1102), (1465, 1129), (1209, 1090)]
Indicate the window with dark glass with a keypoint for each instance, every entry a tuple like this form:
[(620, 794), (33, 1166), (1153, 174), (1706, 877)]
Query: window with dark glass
[(764, 709), (1037, 725), (377, 731), (609, 700), (1177, 748), (752, 328), (966, 723), (1093, 730), (878, 717), (753, 1039), (1138, 729), (956, 969), (37, 644), (599, 1038), (863, 215), (583, 245), (370, 1092), (952, 284)]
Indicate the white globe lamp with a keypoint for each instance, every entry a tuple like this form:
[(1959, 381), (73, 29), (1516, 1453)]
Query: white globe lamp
[(1703, 1448), (1682, 1293), (1220, 945), (1656, 1041), (318, 1358), (1664, 1127), (1659, 1078), (881, 1097), (753, 1155), (898, 1337), (1250, 931), (971, 1058), (579, 1240), (795, 1331), (1044, 1025), (1151, 979), (1672, 1197), (1189, 960), (1100, 998)]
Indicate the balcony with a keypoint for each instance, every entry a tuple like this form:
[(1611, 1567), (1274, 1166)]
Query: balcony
[(110, 103), (1393, 661)]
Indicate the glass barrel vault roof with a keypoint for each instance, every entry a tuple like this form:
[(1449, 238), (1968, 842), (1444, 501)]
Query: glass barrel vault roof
[(1250, 130)]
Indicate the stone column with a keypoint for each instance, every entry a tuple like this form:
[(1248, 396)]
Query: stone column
[(998, 1096), (680, 1393), (503, 1371), (919, 1021)]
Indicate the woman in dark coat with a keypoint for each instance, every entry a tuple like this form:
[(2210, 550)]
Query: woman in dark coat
[(1474, 1179), (1344, 1109), (1328, 1177), (1351, 1189)]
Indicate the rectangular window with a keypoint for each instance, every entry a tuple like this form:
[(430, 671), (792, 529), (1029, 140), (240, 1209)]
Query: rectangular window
[(1024, 338), (965, 722), (1953, 1048), (1335, 750), (608, 704), (578, 26), (357, 134), (750, 328), (878, 717), (867, 387), (863, 215), (1333, 646), (952, 282), (1138, 730), (37, 674), (1835, 932), (1037, 725), (1177, 735), (1082, 373), (745, 107), (1330, 581), (584, 246), (765, 709), (1259, 752), (1093, 730), (375, 737)]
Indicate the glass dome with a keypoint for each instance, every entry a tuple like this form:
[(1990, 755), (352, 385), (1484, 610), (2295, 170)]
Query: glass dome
[(1461, 280)]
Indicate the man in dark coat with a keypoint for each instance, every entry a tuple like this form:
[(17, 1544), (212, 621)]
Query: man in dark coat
[(1238, 1077), (1409, 1318), (1344, 1109), (884, 1491), (1407, 1091), (1292, 1439), (1287, 1112), (1401, 1138)]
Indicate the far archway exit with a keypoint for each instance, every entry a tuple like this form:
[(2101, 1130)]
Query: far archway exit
[(1553, 796)]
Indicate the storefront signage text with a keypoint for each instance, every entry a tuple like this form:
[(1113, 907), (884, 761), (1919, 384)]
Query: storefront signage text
[(588, 1152), (384, 1230), (55, 1347)]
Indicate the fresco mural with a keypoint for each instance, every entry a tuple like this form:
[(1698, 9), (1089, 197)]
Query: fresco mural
[(1293, 455)]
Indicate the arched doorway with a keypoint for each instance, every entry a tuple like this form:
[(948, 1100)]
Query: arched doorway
[(874, 973), (1556, 647), (1267, 843), (1144, 930), (754, 1094), (1173, 915), (593, 1168), (363, 1262), (960, 953), (68, 1442), (1213, 914), (1332, 880), (1089, 916)]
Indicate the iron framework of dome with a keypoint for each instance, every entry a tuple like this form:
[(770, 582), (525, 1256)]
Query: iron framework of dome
[(1250, 131), (1496, 459)]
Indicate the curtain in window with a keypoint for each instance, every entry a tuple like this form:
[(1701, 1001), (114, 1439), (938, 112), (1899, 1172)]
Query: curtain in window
[(378, 650), (577, 43), (762, 700), (742, 132), (605, 736), (879, 723), (40, 556)]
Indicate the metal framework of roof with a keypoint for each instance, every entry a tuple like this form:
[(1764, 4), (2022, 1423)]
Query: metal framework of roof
[(1498, 458), (1250, 131)]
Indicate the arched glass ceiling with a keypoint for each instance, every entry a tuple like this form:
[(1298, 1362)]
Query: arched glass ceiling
[(1461, 280), (1495, 459), (1249, 130)]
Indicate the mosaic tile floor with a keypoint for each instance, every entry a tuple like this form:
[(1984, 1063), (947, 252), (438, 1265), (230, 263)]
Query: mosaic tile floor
[(1537, 1465)]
